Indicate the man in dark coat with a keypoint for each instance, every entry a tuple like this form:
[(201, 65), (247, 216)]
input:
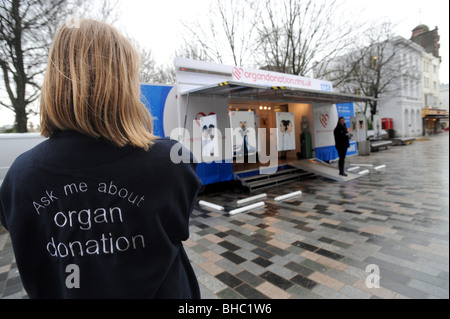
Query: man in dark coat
[(342, 143)]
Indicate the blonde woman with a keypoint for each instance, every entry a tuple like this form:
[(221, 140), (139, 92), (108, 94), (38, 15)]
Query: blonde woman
[(99, 210)]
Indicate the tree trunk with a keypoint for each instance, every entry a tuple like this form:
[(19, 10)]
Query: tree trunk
[(373, 110), (26, 31), (20, 124)]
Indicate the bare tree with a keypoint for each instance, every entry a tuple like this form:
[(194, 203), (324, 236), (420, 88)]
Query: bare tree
[(292, 35), (165, 74), (27, 28), (230, 34), (373, 69), (150, 71), (107, 11), (191, 51)]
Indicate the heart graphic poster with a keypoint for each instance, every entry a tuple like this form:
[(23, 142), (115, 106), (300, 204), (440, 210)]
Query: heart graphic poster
[(325, 121), (285, 131)]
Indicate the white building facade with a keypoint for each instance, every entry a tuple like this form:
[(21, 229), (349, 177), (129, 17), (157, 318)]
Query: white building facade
[(444, 104), (444, 97), (430, 81), (406, 80), (403, 102), (401, 96)]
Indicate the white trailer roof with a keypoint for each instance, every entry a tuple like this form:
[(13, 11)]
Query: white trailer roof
[(248, 92)]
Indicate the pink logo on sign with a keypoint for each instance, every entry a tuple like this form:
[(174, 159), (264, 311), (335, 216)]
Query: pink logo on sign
[(238, 72), (324, 119)]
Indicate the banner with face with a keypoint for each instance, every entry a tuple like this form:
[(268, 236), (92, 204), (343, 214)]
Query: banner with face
[(285, 131), (244, 133)]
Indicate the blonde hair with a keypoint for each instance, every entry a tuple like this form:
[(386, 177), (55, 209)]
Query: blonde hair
[(91, 85)]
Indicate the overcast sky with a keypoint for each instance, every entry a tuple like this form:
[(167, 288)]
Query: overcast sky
[(158, 25)]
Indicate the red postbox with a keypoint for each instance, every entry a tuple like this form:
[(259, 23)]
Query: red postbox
[(387, 123)]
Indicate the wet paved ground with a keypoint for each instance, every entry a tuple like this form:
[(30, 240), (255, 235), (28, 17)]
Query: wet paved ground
[(328, 242)]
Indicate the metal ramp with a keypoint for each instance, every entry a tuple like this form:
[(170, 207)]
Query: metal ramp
[(320, 168), (253, 180)]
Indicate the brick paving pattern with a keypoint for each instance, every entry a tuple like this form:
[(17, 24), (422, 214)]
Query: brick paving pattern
[(319, 244)]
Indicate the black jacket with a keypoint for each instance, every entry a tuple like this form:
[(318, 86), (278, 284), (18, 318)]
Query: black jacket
[(341, 138), (118, 214)]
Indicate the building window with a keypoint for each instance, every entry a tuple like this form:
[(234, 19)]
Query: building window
[(419, 121), (426, 82), (406, 122)]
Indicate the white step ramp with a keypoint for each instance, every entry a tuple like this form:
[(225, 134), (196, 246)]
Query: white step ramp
[(323, 169)]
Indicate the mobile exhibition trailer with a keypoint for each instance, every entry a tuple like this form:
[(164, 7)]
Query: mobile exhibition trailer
[(231, 105)]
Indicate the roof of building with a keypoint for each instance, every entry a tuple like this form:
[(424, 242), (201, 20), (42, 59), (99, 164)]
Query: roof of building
[(422, 26)]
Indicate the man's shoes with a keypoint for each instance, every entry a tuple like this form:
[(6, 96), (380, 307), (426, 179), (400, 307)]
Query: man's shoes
[(342, 174)]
